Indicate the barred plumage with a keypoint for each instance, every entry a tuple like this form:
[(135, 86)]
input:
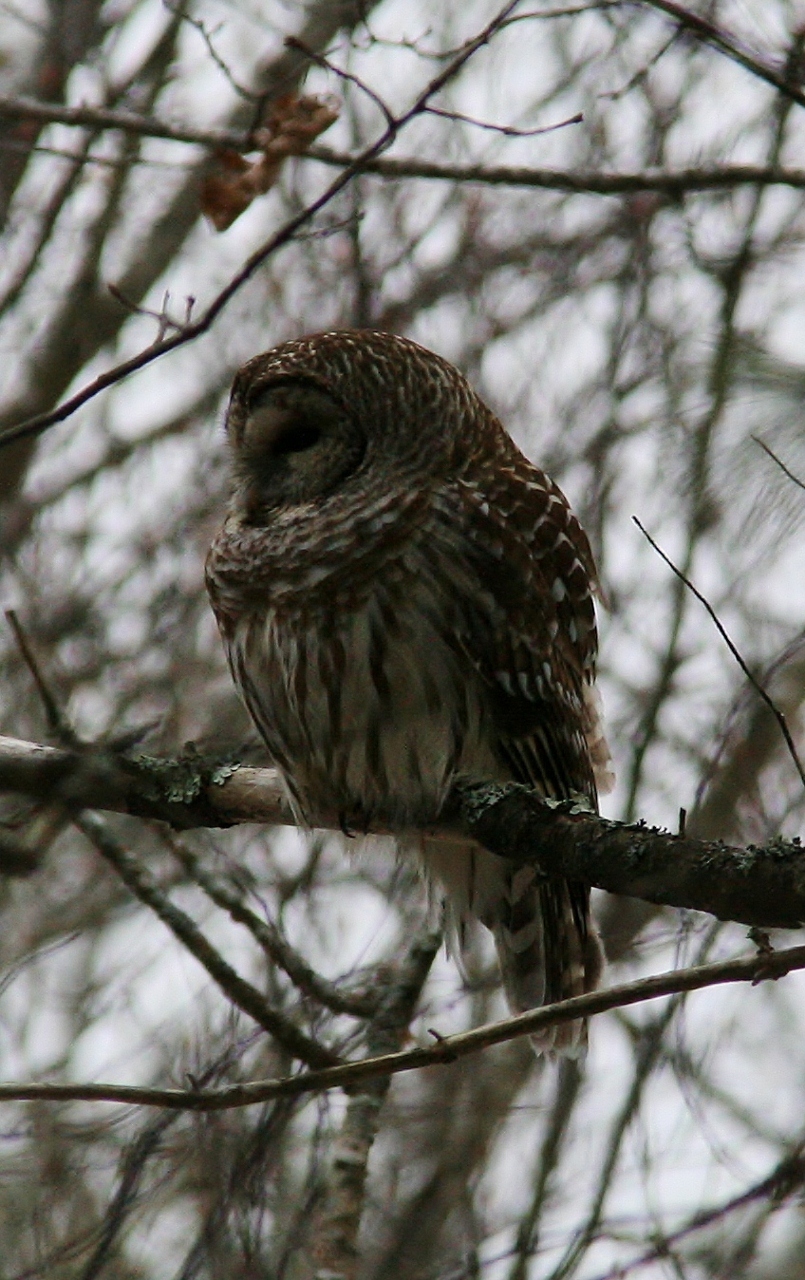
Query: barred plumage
[(404, 600)]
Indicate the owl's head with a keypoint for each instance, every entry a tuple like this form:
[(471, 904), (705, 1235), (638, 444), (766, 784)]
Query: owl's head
[(344, 410), (292, 443)]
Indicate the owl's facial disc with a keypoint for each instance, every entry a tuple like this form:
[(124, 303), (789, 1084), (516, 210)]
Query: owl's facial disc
[(293, 444)]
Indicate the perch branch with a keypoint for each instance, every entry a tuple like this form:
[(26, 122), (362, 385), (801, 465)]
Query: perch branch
[(763, 885)]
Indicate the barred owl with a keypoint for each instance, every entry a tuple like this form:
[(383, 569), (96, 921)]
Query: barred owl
[(404, 601)]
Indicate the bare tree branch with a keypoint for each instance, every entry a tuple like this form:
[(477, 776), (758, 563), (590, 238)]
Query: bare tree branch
[(755, 968), (762, 886), (673, 184), (335, 1239), (784, 1181), (276, 947), (21, 108), (710, 34), (722, 631), (241, 993)]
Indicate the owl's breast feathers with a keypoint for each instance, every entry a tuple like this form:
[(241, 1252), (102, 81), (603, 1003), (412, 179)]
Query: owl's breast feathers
[(317, 557), (431, 632)]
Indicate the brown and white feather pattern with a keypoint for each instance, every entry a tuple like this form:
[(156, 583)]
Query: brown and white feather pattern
[(405, 600)]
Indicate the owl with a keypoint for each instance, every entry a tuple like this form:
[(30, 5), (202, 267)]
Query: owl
[(406, 601)]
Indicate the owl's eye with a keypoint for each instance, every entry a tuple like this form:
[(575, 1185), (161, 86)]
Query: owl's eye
[(295, 439)]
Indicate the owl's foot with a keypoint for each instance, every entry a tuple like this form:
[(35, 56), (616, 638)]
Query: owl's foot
[(355, 823)]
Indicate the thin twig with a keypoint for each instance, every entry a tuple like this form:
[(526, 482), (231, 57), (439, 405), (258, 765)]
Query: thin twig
[(710, 34), (753, 680), (755, 968), (349, 77), (274, 944), (199, 26), (508, 131), (785, 1179), (165, 322), (796, 480), (237, 989), (57, 723)]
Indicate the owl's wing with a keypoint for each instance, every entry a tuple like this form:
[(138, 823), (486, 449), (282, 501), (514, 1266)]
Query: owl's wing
[(529, 625), (522, 585)]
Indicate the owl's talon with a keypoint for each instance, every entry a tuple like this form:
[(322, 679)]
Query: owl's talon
[(345, 828)]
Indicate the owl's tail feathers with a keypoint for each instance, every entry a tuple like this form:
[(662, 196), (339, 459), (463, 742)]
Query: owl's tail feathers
[(547, 946), (548, 950)]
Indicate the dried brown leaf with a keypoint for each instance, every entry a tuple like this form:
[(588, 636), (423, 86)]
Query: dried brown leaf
[(292, 124)]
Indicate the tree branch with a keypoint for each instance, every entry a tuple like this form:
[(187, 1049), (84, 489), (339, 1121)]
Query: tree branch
[(606, 183), (240, 992), (784, 1181), (21, 108), (333, 995), (755, 968), (335, 1238), (672, 184), (782, 80), (761, 885)]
